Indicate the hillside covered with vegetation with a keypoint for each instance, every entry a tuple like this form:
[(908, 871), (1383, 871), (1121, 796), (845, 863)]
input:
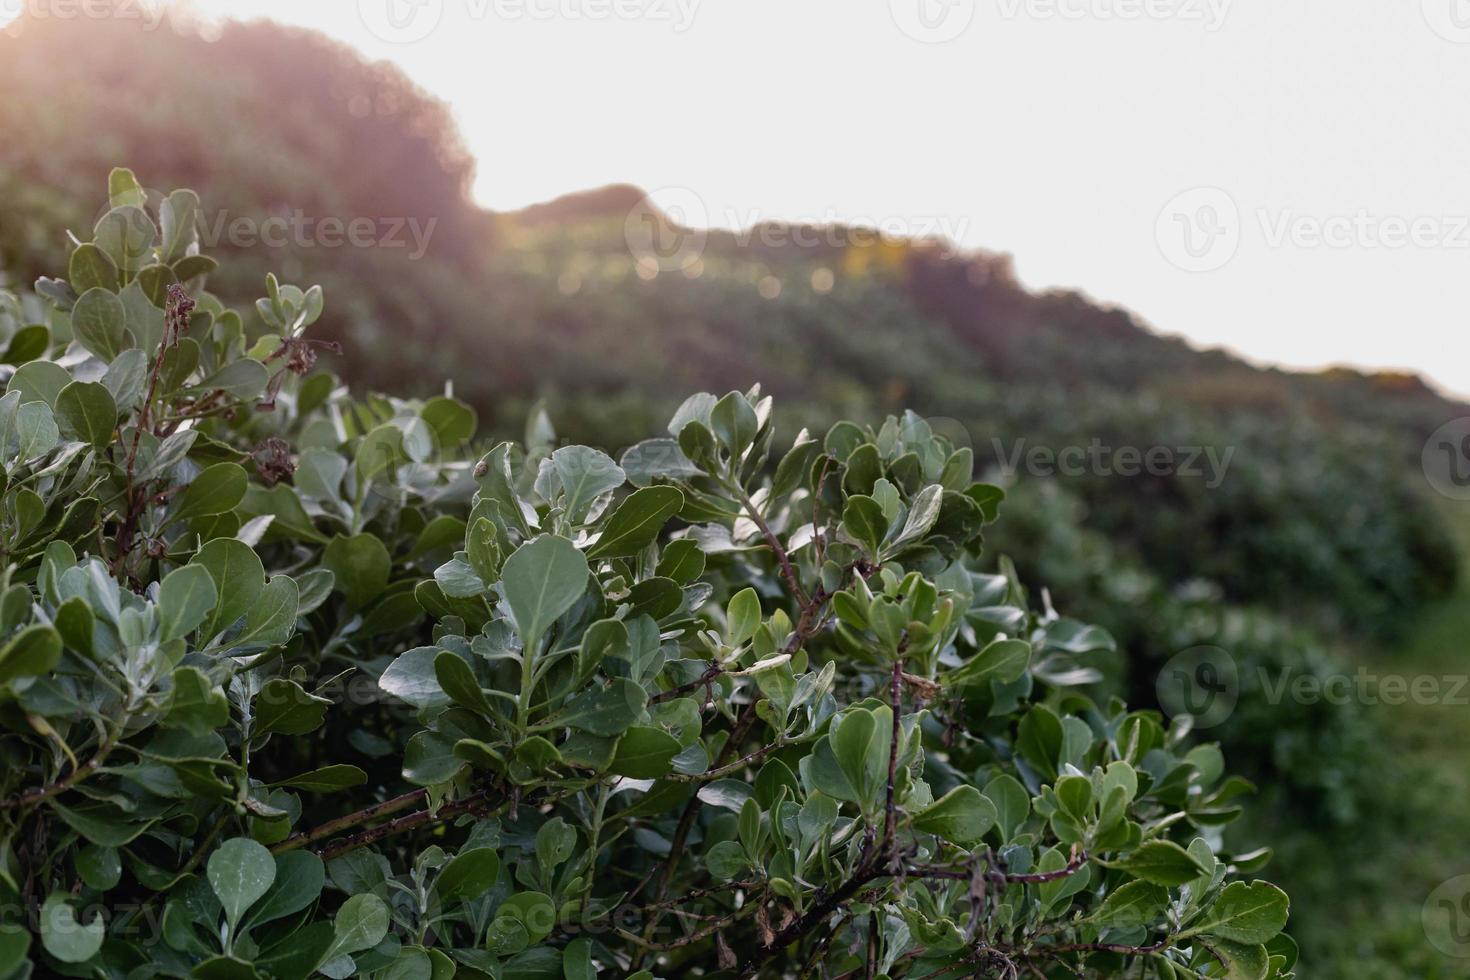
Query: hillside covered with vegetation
[(1300, 537)]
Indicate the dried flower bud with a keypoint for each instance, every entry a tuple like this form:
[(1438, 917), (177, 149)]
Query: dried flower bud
[(273, 461)]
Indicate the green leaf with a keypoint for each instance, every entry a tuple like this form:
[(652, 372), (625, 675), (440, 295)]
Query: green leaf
[(1003, 661), (1241, 962), (682, 561), (1039, 739), (15, 943), (178, 213), (298, 882), (90, 268), (468, 875), (734, 423), (864, 469), (962, 816), (244, 379), (457, 679), (743, 616), (100, 322), (1245, 913), (145, 320), (185, 598), (39, 381), (361, 923), (239, 580), (327, 779), (103, 825), (154, 281), (125, 378), (605, 711), (299, 955), (412, 677), (533, 910), (923, 512), (860, 740), (272, 619), (240, 871), (193, 266), (452, 421), (863, 522), (1051, 893), (126, 234), (1012, 803), (27, 344), (99, 867), (637, 522), (555, 842), (86, 412), (361, 565), (218, 489), (542, 580), (33, 652), (284, 706), (380, 451), (645, 753), (197, 704), (1074, 793), (1132, 905), (429, 759), (585, 475), (576, 961), (1162, 862), (36, 430), (64, 937), (123, 189), (654, 459), (726, 860)]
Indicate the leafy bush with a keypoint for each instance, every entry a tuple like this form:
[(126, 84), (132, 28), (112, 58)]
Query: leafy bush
[(290, 686), (1330, 775)]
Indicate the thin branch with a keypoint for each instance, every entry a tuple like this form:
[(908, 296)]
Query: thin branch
[(703, 680), (788, 570), (891, 808), (383, 809)]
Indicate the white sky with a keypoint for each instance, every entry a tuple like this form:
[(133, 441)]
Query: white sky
[(1057, 130)]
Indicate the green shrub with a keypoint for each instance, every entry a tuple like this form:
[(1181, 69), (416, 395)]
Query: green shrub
[(289, 686)]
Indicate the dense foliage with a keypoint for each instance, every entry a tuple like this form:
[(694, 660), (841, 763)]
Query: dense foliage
[(289, 685)]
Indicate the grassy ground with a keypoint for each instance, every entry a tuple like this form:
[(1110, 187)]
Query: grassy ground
[(1384, 890)]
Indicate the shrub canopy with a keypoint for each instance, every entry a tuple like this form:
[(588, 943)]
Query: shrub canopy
[(297, 683)]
